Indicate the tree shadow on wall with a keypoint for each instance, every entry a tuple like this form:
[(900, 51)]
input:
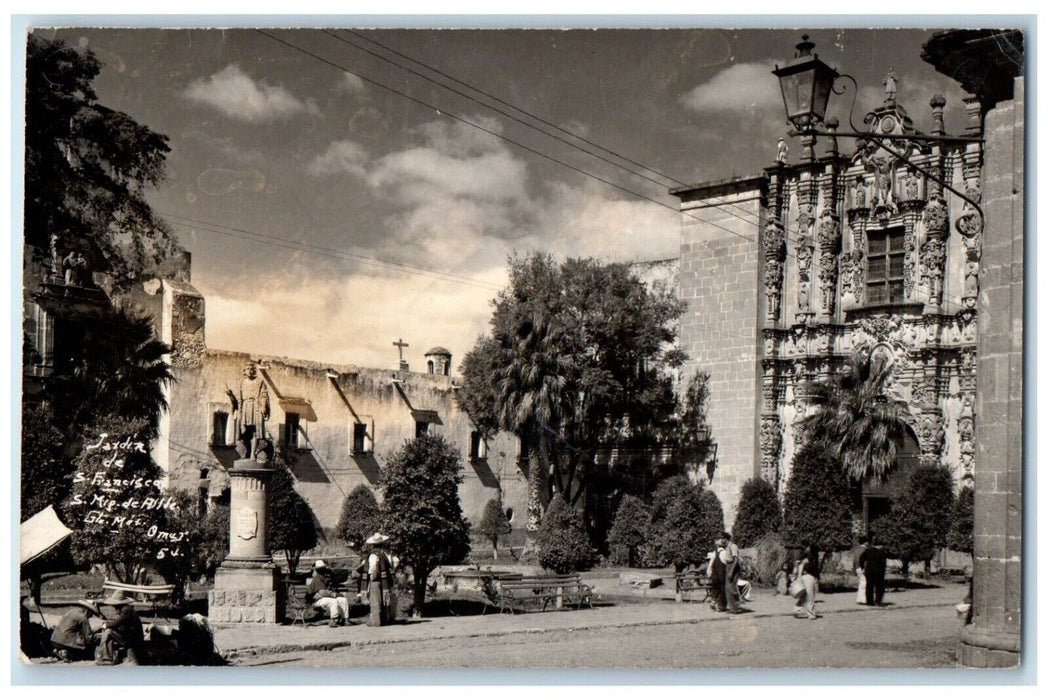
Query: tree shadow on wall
[(368, 466)]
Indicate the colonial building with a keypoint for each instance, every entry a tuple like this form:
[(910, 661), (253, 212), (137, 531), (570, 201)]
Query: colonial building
[(788, 272)]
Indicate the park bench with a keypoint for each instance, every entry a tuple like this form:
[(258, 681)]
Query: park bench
[(687, 582), (553, 589), (150, 595)]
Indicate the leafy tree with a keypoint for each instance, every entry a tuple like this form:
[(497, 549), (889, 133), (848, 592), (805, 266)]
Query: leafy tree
[(629, 531), (854, 416), (88, 168), (686, 521), (118, 512), (204, 547), (46, 472), (691, 430), (494, 524), (564, 546), (360, 516), (816, 505), (421, 510), (759, 513), (962, 521), (580, 355), (918, 522), (292, 528)]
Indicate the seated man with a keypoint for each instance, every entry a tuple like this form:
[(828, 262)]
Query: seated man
[(123, 638), (320, 593), (73, 638)]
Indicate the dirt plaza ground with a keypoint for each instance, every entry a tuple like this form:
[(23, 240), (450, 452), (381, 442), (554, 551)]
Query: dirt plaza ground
[(919, 628)]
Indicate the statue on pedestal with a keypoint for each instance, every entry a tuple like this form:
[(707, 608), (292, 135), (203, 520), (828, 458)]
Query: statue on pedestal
[(250, 411)]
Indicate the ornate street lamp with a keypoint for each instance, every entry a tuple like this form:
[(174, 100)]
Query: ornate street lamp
[(806, 83)]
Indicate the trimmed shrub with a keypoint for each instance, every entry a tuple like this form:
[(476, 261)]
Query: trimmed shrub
[(629, 531), (919, 520), (962, 521), (686, 520), (494, 524), (771, 554), (563, 544), (817, 503), (760, 513), (360, 516)]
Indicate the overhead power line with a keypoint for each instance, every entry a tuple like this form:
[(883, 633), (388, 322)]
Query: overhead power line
[(524, 147), (249, 235)]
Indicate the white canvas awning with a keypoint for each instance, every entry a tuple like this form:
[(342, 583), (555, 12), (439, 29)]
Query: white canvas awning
[(40, 534)]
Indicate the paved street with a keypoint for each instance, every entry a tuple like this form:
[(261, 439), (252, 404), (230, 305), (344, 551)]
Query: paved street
[(919, 629)]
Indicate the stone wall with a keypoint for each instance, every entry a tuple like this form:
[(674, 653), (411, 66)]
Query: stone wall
[(993, 638), (719, 283), (329, 399)]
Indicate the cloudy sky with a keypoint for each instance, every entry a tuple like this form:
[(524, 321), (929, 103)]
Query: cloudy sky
[(333, 203)]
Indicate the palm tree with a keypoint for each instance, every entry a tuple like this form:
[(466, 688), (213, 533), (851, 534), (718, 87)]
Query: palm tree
[(858, 421), (530, 380), (119, 369)]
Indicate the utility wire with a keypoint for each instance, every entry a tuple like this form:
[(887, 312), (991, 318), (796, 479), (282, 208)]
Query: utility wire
[(246, 234), (497, 135), (539, 119), (518, 144)]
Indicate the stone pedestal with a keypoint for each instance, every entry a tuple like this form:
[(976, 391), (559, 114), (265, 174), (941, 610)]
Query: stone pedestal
[(245, 593), (246, 584)]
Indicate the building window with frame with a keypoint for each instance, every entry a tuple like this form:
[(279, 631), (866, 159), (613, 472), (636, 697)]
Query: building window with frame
[(884, 275), (219, 427), (478, 447), (362, 443), (421, 428), (291, 430)]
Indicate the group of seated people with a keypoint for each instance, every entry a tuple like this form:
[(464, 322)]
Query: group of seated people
[(84, 633), (376, 585)]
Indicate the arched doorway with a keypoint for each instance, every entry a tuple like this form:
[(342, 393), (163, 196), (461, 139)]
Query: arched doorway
[(877, 495)]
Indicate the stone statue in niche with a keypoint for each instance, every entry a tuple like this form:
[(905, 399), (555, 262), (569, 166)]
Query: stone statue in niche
[(803, 295), (250, 411), (781, 151), (860, 195), (911, 188), (971, 278), (74, 269)]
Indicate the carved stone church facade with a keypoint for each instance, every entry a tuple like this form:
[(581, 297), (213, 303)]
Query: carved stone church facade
[(788, 273)]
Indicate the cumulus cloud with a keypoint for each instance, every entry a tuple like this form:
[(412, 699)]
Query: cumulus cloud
[(351, 83), (748, 88), (341, 157), (235, 94), (365, 313)]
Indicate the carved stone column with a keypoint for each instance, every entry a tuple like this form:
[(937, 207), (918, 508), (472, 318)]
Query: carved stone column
[(773, 244), (829, 233), (246, 589), (771, 448)]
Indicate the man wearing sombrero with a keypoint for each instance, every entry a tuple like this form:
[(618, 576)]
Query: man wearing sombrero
[(73, 639), (320, 593), (122, 638), (380, 582)]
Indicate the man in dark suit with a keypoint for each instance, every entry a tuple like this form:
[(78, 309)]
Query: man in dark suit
[(874, 562)]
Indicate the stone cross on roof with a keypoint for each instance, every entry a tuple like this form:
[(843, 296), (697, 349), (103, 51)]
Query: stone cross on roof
[(400, 347)]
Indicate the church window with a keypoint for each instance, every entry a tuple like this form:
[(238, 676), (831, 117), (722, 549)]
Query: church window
[(884, 275), (478, 448), (421, 428)]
